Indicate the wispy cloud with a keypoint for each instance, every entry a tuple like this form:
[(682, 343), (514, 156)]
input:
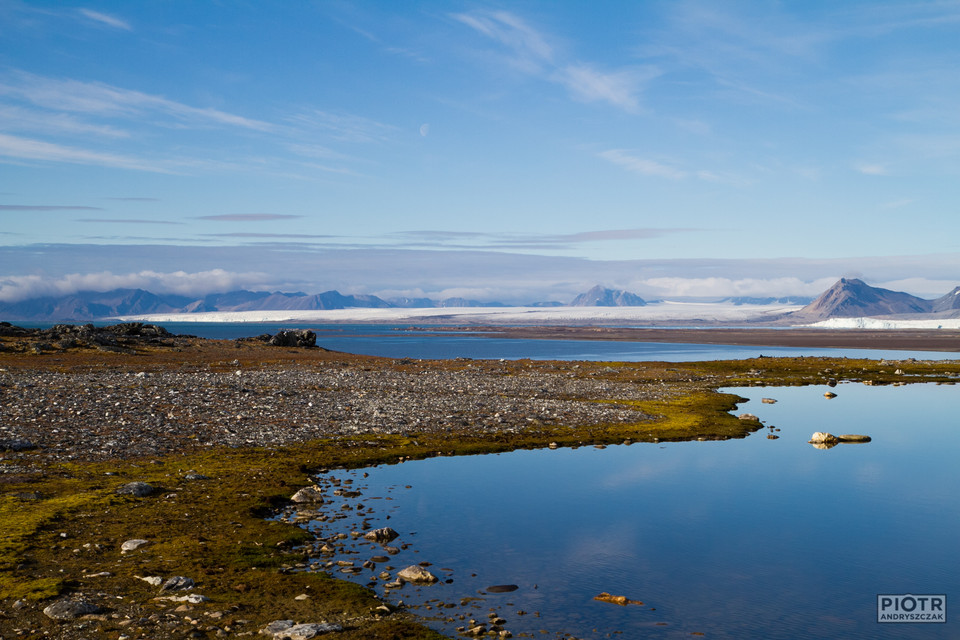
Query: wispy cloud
[(527, 50), (873, 169), (341, 127), (20, 120), (28, 149), (252, 234), (619, 88), (642, 166), (106, 19), (249, 217), (100, 99), (128, 221), (62, 120), (618, 234), (47, 207), (15, 288), (487, 240)]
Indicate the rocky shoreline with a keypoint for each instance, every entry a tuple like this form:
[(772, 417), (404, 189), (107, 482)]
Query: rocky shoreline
[(225, 432)]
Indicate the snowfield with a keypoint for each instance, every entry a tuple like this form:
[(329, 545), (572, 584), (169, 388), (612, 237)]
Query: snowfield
[(880, 323), (659, 312)]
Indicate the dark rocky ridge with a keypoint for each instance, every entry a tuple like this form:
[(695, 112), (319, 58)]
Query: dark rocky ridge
[(602, 297), (853, 298)]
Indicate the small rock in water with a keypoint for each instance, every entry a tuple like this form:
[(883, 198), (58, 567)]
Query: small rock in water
[(502, 588), (822, 437), (768, 401), (621, 600), (849, 437), (413, 573), (829, 394), (748, 416), (386, 534)]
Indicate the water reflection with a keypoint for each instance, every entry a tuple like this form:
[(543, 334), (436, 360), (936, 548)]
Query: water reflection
[(743, 538)]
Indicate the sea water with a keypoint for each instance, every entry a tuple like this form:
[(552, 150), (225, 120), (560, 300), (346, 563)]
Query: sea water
[(407, 341), (763, 537)]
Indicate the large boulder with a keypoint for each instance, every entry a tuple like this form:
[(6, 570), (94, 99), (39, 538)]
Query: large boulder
[(70, 609), (294, 338)]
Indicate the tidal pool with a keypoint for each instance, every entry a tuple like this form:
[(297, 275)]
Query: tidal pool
[(755, 538)]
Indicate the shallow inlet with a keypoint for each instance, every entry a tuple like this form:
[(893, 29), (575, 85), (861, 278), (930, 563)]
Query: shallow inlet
[(761, 537)]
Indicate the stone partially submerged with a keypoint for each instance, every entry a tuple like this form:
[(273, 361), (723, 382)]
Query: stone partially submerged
[(384, 535), (417, 575), (824, 440)]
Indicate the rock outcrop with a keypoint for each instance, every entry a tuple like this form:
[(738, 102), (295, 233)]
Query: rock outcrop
[(852, 298)]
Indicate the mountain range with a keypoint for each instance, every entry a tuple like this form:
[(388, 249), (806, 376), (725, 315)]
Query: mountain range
[(96, 305), (848, 298)]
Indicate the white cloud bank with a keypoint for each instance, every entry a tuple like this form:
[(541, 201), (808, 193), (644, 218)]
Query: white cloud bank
[(16, 288), (30, 271)]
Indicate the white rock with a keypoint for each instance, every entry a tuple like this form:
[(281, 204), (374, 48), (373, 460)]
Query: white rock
[(192, 598), (415, 573), (305, 631), (308, 494), (133, 545)]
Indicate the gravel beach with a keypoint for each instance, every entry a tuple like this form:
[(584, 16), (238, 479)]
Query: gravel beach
[(76, 400), (118, 414)]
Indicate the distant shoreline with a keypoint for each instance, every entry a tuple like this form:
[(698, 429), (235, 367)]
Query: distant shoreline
[(896, 339)]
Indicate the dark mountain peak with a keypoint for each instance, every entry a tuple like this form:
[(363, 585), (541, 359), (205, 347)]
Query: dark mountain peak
[(853, 298), (600, 296)]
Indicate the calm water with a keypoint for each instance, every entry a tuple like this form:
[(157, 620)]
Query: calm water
[(752, 538), (399, 341)]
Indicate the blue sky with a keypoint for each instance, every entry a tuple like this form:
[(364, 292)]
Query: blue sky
[(522, 150)]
